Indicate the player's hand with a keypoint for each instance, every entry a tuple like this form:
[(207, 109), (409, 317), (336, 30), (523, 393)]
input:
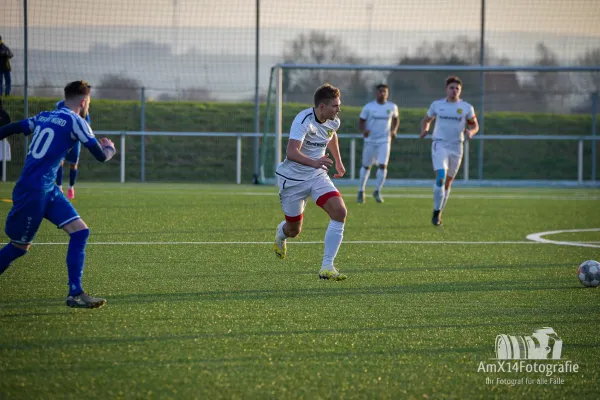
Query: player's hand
[(323, 163), (423, 134), (341, 170), (468, 134), (106, 142), (366, 133)]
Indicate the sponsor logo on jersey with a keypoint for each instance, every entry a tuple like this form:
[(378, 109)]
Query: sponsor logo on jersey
[(459, 111), (309, 143), (449, 117)]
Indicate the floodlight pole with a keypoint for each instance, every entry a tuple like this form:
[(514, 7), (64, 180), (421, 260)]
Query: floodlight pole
[(481, 92), (256, 94)]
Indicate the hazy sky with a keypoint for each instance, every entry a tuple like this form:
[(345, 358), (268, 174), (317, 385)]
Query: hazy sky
[(211, 43), (577, 17)]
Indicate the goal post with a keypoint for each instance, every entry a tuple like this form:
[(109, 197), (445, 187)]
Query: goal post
[(518, 100)]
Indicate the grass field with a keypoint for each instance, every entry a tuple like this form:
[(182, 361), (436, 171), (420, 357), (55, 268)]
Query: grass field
[(199, 307)]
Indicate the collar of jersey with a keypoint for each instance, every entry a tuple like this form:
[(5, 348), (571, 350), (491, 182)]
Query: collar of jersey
[(317, 119)]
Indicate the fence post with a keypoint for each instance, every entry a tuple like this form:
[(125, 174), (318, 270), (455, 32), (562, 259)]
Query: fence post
[(4, 155), (238, 160), (353, 158), (143, 136), (580, 161), (466, 167), (594, 142), (278, 112), (122, 157)]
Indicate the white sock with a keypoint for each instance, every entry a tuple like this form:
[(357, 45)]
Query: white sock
[(364, 177), (445, 200), (381, 174), (333, 240), (280, 234), (438, 196)]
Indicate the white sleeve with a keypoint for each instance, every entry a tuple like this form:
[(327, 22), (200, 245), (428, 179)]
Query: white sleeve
[(298, 131), (471, 114), (431, 112), (364, 114), (396, 112)]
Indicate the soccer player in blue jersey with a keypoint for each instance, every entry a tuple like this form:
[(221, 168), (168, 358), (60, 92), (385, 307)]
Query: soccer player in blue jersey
[(72, 158), (35, 195)]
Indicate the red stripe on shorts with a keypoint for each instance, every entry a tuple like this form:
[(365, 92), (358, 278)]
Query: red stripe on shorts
[(293, 219), (323, 199)]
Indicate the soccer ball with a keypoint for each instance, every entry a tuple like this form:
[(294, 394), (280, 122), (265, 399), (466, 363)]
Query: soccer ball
[(589, 273)]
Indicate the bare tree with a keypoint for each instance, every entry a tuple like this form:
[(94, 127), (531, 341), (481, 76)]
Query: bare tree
[(588, 83), (322, 48), (118, 87), (418, 87)]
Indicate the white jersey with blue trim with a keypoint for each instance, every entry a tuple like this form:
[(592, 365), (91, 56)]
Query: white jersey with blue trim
[(54, 133), (315, 137), (378, 119), (450, 119)]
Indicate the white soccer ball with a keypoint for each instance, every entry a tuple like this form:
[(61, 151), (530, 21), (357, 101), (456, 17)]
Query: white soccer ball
[(589, 273)]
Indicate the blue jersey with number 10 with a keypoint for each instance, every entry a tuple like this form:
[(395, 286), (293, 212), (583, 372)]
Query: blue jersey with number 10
[(54, 133)]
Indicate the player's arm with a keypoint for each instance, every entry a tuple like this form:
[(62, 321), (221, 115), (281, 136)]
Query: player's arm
[(25, 126), (102, 149), (362, 127), (395, 123), (472, 125), (426, 122), (334, 147), (294, 154)]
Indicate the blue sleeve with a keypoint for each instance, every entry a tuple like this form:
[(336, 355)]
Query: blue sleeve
[(99, 153), (25, 126)]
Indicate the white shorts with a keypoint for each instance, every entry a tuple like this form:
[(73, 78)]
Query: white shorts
[(447, 156), (293, 194), (376, 153)]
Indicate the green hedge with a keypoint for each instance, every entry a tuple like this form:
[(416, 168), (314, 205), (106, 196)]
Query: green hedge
[(213, 159)]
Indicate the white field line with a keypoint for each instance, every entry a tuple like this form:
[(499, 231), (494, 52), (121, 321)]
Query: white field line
[(296, 243), (393, 195), (539, 238)]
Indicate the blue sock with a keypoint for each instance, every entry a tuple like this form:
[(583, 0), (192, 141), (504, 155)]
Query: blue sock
[(72, 177), (59, 175), (8, 254), (76, 260)]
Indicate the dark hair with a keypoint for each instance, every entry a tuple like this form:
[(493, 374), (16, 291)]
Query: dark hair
[(453, 79), (77, 88), (382, 85), (326, 93)]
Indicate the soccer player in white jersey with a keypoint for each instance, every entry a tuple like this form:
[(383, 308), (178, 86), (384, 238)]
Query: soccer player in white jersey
[(452, 114), (303, 173), (379, 124)]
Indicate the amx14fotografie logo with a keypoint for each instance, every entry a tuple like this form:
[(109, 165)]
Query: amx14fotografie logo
[(522, 354)]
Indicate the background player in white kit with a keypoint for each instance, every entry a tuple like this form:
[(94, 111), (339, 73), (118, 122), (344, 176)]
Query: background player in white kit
[(452, 115), (379, 124), (304, 173)]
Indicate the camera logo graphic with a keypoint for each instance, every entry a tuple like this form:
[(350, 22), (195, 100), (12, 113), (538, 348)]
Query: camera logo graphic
[(543, 344)]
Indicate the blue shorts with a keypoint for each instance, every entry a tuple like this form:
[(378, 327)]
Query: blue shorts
[(72, 156), (30, 207)]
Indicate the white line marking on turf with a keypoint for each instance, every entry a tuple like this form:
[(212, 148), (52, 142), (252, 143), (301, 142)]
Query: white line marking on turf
[(575, 196), (295, 243), (538, 237)]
